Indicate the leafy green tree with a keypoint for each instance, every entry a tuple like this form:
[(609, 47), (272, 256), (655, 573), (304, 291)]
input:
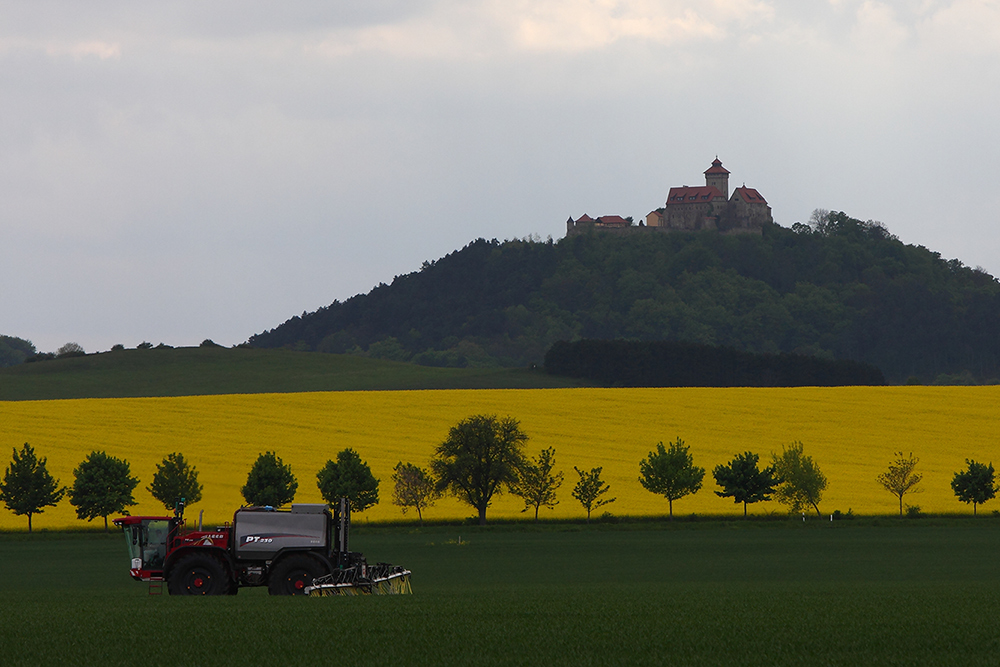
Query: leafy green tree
[(743, 481), (388, 348), (270, 482), (482, 456), (900, 478), (70, 350), (537, 484), (800, 482), (413, 487), (976, 484), (27, 486), (14, 350), (348, 477), (103, 485), (175, 479), (590, 488), (671, 472)]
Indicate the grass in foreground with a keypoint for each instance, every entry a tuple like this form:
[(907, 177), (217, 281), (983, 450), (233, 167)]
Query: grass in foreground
[(831, 594)]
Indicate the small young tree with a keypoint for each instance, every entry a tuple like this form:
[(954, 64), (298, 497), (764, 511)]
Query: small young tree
[(800, 482), (976, 484), (269, 482), (482, 456), (175, 479), (900, 479), (349, 477), (27, 486), (743, 481), (590, 488), (537, 485), (413, 487), (70, 350), (671, 473), (103, 485)]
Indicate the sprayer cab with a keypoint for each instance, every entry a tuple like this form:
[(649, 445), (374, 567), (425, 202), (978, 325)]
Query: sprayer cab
[(147, 540)]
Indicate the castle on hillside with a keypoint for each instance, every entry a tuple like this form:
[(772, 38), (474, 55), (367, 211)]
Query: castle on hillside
[(692, 208)]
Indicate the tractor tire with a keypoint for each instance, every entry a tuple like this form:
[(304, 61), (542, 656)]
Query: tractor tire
[(198, 574), (293, 573)]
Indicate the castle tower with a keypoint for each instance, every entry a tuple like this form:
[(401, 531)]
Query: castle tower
[(718, 177)]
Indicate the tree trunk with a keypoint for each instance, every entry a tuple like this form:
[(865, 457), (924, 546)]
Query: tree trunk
[(744, 509), (536, 513), (482, 515), (901, 504), (29, 522), (420, 517), (670, 504), (588, 515), (816, 507)]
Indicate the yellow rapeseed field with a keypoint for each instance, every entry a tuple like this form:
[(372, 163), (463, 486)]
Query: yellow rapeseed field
[(851, 432)]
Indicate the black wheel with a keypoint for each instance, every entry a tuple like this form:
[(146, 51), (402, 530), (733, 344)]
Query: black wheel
[(198, 574), (293, 573)]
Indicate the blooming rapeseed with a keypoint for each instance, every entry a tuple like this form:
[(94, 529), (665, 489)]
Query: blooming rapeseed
[(851, 433)]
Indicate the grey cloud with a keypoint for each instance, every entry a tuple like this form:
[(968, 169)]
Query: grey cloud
[(228, 167)]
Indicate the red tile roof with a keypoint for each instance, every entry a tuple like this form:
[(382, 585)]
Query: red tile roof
[(716, 168), (691, 195), (585, 218), (613, 220), (749, 195)]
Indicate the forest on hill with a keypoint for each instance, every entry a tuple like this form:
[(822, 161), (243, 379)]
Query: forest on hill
[(839, 288)]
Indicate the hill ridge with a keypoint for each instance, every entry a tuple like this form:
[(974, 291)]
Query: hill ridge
[(841, 289), (189, 371)]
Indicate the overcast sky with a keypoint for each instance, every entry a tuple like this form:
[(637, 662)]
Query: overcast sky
[(171, 172)]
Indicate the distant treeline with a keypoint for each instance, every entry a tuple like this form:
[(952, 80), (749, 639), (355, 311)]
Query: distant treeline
[(625, 363)]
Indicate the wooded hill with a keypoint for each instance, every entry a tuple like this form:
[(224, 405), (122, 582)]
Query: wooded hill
[(838, 289)]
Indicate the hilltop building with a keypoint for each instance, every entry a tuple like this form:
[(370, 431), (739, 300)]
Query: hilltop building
[(602, 222), (693, 208)]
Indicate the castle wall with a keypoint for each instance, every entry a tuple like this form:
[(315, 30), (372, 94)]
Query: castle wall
[(689, 217), (691, 209)]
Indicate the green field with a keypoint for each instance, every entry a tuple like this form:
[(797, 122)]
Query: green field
[(215, 370), (874, 592)]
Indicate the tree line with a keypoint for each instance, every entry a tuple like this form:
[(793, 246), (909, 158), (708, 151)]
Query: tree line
[(482, 457), (103, 485), (630, 363), (837, 288)]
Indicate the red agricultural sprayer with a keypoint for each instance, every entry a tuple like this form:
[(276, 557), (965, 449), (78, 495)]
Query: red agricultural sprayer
[(302, 551)]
